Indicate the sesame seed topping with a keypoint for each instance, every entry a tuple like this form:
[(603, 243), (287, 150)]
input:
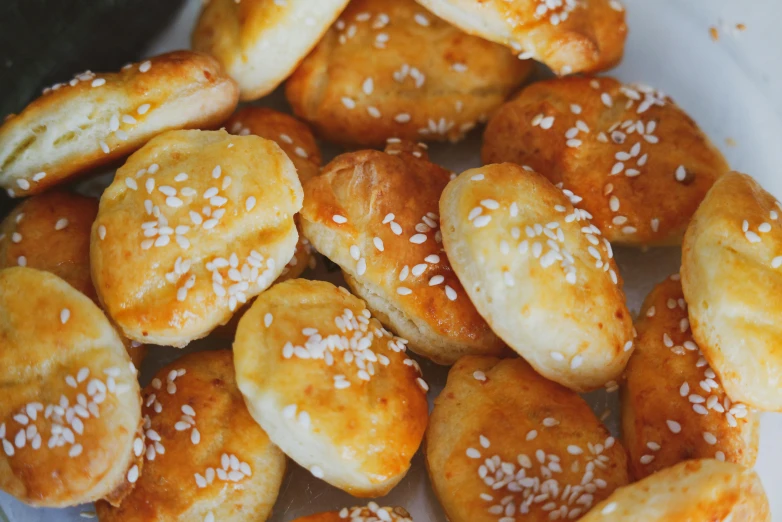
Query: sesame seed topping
[(102, 232), (317, 472), (479, 376), (339, 219)]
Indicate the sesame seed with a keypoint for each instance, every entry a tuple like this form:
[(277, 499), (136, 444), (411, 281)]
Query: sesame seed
[(473, 453), (450, 293), (646, 459), (436, 280), (531, 435), (348, 102), (142, 109), (133, 474), (482, 221), (402, 117), (403, 291), (609, 508), (479, 376), (374, 111), (102, 232), (378, 243), (709, 438), (547, 123), (317, 472), (339, 219), (97, 82), (75, 450), (418, 239), (368, 86), (681, 173), (145, 66)]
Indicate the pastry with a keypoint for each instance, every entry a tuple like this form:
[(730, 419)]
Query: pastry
[(371, 513)]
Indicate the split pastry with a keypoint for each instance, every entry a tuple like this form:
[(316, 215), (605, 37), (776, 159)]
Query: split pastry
[(371, 513), (692, 491), (640, 163), (71, 409), (570, 36), (205, 458), (331, 387), (375, 214), (195, 224), (732, 280), (674, 407), (260, 42), (505, 443), (97, 118), (388, 68), (539, 272)]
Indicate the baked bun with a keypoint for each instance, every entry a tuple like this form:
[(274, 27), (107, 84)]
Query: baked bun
[(388, 68), (260, 42), (51, 232), (371, 513), (195, 224), (569, 36), (375, 215), (97, 118), (330, 386), (505, 442), (539, 272), (639, 161), (692, 491), (71, 407), (205, 457), (673, 406), (732, 280)]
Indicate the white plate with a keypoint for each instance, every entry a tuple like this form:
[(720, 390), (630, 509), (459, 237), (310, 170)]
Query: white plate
[(730, 87)]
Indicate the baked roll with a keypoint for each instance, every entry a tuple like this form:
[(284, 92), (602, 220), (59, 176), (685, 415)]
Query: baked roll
[(732, 280), (505, 442), (375, 214), (330, 386), (97, 118), (640, 163), (539, 272), (71, 410), (569, 36), (371, 513), (195, 224), (673, 405), (206, 459), (692, 491), (388, 68), (51, 232), (260, 42)]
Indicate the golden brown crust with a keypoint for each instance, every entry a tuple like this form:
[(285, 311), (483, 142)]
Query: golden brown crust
[(187, 206), (539, 272), (71, 404), (641, 165), (247, 469), (330, 387), (692, 491), (390, 202), (260, 42), (667, 414), (499, 431), (576, 36), (292, 135), (98, 118), (359, 514), (388, 68), (732, 279)]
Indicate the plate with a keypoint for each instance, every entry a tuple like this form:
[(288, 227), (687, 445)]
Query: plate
[(729, 86)]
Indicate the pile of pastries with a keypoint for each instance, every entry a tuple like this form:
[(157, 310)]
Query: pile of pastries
[(504, 272)]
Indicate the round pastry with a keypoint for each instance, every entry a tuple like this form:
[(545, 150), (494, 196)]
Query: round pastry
[(371, 513), (51, 232), (504, 442), (195, 224), (69, 417), (388, 68), (570, 36), (732, 280), (639, 161), (375, 215), (206, 459), (673, 406), (331, 387), (695, 491), (539, 272), (97, 118), (260, 42)]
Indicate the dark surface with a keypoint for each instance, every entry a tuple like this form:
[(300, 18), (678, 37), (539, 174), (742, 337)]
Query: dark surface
[(43, 42)]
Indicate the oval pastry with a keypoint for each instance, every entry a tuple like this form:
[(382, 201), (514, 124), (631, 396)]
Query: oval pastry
[(97, 118), (330, 386), (692, 491), (375, 214), (195, 224), (71, 407), (539, 272), (640, 162), (504, 443), (388, 68), (206, 459), (732, 280), (673, 405)]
